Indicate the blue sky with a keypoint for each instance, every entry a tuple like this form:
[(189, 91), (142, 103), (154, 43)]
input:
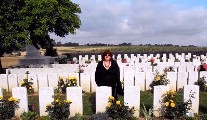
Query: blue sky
[(188, 3), (178, 22)]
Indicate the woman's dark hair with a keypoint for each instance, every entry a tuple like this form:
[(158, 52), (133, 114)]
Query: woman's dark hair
[(105, 53)]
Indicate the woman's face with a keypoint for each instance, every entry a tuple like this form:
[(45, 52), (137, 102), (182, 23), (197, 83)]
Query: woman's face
[(107, 57)]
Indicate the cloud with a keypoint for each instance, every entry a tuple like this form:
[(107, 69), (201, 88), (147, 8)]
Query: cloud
[(139, 22)]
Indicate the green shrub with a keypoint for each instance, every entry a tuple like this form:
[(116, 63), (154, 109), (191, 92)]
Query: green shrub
[(29, 115), (63, 83), (202, 84), (28, 84), (116, 110), (159, 79), (59, 110), (62, 59), (7, 107)]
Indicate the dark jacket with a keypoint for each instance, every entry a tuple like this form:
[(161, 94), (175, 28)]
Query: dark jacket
[(110, 77)]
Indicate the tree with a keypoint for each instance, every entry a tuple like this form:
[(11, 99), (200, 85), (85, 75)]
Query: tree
[(31, 22)]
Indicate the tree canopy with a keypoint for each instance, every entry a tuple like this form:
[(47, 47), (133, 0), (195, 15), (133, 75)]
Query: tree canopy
[(31, 22)]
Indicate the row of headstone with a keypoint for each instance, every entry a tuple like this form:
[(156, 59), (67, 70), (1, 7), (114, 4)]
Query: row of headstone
[(164, 57), (45, 98), (131, 99), (176, 79), (87, 68), (56, 69), (87, 80), (191, 92)]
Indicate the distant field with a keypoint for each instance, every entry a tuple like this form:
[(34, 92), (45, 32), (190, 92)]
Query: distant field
[(10, 61), (81, 49), (13, 61)]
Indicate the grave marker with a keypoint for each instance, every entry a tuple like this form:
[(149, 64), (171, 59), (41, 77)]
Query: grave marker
[(102, 97)]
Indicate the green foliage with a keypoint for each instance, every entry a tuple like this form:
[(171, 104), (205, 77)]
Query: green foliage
[(26, 83), (62, 59), (59, 110), (148, 114), (76, 117), (173, 108), (30, 22), (67, 82), (202, 84), (29, 115), (100, 116), (170, 104), (159, 79), (7, 107), (51, 52), (117, 111), (169, 69)]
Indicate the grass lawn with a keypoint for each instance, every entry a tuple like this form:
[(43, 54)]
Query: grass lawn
[(146, 99)]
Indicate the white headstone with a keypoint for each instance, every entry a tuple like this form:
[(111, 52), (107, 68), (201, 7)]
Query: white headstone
[(53, 80), (86, 57), (63, 75), (45, 98), (140, 80), (182, 80), (157, 99), (12, 80), (4, 82), (192, 78), (192, 90), (42, 80), (99, 58), (132, 98), (182, 68), (93, 82), (190, 68), (33, 78), (85, 81), (149, 79), (75, 95), (21, 94), (172, 76), (128, 76), (102, 97), (1, 92)]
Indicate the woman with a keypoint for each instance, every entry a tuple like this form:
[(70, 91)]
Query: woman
[(108, 74)]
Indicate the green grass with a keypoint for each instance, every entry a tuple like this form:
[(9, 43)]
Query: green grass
[(146, 99)]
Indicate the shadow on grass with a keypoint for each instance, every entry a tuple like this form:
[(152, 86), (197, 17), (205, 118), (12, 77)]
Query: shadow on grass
[(202, 109), (92, 99)]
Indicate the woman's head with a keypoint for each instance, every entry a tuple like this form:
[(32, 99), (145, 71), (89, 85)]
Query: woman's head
[(107, 55)]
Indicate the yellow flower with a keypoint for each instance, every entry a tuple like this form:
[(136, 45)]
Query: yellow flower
[(22, 82), (157, 78), (172, 104), (171, 101), (56, 100), (11, 99), (172, 92), (48, 105), (109, 104), (1, 97), (111, 97), (166, 104), (166, 92), (118, 102), (30, 88), (68, 101)]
